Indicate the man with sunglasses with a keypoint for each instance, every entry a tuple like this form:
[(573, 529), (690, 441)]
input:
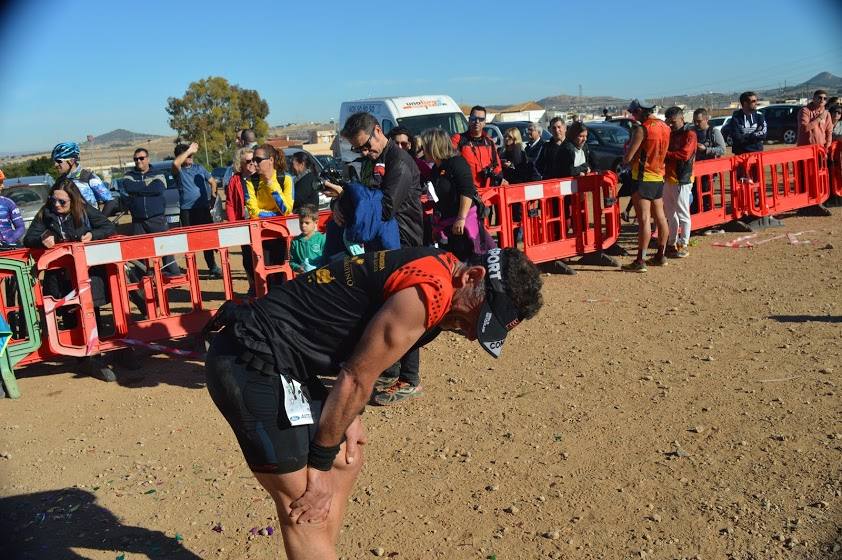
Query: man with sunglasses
[(143, 196), (815, 126), (747, 126), (479, 151), (65, 156), (397, 175)]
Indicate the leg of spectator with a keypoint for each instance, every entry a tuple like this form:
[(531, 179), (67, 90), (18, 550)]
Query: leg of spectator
[(410, 367), (670, 211), (683, 214), (248, 266)]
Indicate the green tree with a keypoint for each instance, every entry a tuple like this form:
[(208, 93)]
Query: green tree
[(30, 167), (214, 111)]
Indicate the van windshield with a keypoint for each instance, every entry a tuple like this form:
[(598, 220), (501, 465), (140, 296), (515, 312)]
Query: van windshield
[(450, 122)]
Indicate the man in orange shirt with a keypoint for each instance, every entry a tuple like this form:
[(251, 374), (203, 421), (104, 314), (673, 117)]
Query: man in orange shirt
[(815, 125), (645, 156)]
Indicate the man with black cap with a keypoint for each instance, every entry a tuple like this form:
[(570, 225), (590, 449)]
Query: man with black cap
[(645, 155), (350, 319)]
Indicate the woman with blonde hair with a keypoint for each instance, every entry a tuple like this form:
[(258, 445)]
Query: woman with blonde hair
[(235, 202), (456, 222)]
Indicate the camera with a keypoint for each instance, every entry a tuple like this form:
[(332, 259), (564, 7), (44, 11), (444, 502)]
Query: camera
[(496, 179), (331, 175)]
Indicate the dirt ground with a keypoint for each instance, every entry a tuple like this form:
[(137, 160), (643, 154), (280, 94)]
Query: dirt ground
[(690, 412)]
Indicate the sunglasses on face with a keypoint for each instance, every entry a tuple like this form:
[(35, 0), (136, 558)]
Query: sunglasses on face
[(248, 161), (140, 158), (365, 147), (404, 145), (60, 201), (821, 97), (257, 160), (474, 119)]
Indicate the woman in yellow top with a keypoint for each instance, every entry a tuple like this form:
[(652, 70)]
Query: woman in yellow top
[(268, 192)]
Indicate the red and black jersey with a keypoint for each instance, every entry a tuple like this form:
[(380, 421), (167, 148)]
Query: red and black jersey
[(480, 153), (316, 320)]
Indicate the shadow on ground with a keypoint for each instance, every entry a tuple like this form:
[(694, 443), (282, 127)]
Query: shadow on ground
[(51, 524), (806, 318)]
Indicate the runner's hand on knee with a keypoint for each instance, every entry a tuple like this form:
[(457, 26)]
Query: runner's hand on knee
[(314, 505), (355, 436)]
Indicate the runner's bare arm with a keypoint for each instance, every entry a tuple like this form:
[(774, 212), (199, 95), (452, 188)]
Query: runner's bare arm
[(634, 145), (392, 331)]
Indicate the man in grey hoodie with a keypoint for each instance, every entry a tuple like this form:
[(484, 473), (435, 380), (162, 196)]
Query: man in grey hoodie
[(711, 144)]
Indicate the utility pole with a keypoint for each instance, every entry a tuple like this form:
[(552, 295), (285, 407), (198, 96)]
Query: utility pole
[(205, 139)]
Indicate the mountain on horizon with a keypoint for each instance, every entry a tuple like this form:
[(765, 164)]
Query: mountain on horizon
[(823, 80), (121, 135)]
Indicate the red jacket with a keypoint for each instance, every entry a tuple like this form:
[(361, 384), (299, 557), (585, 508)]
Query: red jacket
[(234, 199), (480, 153), (680, 156)]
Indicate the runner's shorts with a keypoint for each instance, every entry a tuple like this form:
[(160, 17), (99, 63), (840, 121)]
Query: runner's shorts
[(253, 403), (651, 190)]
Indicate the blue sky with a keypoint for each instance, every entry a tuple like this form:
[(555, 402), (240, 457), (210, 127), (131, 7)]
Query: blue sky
[(89, 66)]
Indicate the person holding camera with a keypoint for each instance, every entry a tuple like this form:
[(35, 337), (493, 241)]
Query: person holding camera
[(479, 151)]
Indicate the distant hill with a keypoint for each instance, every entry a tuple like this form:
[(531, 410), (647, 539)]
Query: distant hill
[(122, 136), (824, 80)]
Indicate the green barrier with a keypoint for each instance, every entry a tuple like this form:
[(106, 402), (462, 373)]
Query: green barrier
[(10, 355)]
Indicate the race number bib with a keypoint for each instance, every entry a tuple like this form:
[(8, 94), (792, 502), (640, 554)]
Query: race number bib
[(295, 403)]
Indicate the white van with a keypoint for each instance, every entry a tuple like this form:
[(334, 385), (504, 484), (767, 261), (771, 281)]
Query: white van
[(416, 113)]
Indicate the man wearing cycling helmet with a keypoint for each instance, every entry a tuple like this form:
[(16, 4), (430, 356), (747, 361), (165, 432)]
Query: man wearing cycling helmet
[(65, 158)]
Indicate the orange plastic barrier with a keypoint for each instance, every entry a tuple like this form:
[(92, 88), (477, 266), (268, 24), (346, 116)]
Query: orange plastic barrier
[(834, 162), (713, 188), (780, 181)]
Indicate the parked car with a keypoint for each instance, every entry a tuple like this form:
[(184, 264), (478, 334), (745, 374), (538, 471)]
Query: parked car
[(607, 141), (30, 180), (218, 173), (718, 123), (624, 122), (30, 198), (781, 122), (329, 162), (522, 126)]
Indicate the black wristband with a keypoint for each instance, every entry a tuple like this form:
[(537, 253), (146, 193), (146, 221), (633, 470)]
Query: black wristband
[(321, 458)]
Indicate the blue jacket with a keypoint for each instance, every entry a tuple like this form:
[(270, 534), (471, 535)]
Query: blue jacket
[(143, 194), (362, 208), (747, 132), (12, 226)]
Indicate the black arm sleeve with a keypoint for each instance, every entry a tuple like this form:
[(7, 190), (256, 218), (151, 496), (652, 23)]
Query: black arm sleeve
[(462, 180), (33, 235), (565, 158), (101, 227)]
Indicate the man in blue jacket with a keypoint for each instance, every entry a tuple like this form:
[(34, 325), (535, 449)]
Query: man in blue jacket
[(747, 126), (144, 198)]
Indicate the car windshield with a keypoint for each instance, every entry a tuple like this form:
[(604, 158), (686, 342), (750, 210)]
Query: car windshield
[(24, 196), (717, 121), (450, 122), (611, 134)]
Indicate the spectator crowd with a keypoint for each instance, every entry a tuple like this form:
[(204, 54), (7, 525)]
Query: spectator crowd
[(378, 206)]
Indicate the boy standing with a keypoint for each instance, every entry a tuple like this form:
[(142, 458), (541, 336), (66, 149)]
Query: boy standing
[(306, 249)]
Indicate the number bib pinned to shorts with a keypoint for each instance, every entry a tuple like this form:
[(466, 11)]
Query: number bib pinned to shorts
[(296, 405)]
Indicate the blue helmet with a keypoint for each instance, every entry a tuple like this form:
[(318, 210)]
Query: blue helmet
[(65, 150)]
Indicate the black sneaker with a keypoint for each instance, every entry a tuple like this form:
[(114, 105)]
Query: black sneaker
[(215, 273)]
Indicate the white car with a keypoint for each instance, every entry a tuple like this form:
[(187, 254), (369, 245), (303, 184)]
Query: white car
[(718, 123)]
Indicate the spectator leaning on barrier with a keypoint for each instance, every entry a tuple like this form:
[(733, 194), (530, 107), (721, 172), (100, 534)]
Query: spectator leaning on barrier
[(65, 217), (479, 151), (747, 126), (397, 175), (12, 226), (815, 126), (145, 201), (196, 188), (65, 158), (549, 163), (679, 182), (534, 144), (645, 155), (575, 156), (710, 144)]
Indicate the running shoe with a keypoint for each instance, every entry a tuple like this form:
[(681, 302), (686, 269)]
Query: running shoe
[(634, 266), (384, 382), (671, 252), (681, 251), (398, 392), (215, 273), (657, 261)]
